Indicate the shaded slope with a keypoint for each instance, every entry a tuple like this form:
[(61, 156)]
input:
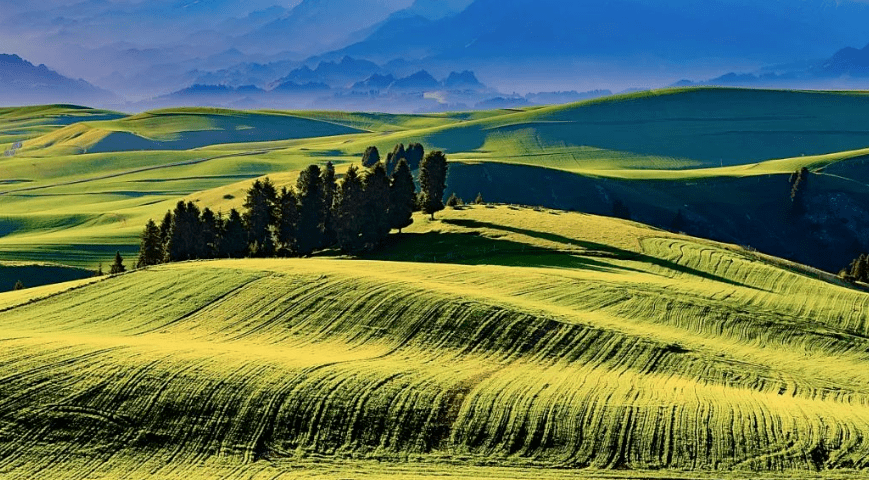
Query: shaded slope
[(645, 351)]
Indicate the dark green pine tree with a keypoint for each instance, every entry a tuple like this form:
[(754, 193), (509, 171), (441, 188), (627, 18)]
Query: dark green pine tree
[(402, 197), (370, 157), (329, 187), (414, 155), (185, 234), (150, 247), (375, 207), (118, 265), (210, 230), (234, 242), (165, 228), (260, 206), (398, 154), (309, 191), (288, 219), (432, 182), (348, 212)]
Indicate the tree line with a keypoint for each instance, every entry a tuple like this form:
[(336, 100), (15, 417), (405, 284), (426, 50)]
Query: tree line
[(354, 214)]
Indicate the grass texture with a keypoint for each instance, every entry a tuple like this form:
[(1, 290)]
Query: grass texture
[(536, 342)]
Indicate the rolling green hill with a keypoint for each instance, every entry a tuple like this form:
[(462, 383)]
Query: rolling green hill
[(718, 158), (491, 343)]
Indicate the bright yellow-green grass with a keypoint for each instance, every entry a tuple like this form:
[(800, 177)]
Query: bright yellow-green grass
[(86, 181), (490, 343)]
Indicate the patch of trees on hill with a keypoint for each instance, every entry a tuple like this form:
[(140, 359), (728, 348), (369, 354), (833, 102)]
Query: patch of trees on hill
[(354, 214)]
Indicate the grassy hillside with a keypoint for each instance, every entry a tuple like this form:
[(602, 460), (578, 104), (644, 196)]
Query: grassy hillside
[(720, 158), (531, 341)]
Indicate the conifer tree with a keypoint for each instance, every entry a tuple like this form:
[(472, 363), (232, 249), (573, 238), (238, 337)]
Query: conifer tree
[(348, 212), (151, 246), (185, 235), (118, 266), (414, 155), (370, 157), (309, 230), (454, 201), (260, 215), (398, 154), (288, 218), (234, 242), (432, 182), (208, 245), (375, 207), (165, 227), (402, 197), (329, 187)]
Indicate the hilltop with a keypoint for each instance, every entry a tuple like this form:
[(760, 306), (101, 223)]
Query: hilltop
[(517, 338)]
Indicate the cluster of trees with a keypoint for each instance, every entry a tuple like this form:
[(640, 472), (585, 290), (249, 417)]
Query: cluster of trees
[(858, 270), (354, 214)]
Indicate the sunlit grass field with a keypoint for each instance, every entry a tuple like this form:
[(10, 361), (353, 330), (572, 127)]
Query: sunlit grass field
[(497, 341), (493, 342), (87, 179)]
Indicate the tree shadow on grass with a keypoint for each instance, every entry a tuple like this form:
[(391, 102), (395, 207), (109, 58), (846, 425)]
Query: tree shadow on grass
[(598, 249), (474, 249)]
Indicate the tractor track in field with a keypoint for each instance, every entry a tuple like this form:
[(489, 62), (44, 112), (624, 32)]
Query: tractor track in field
[(184, 163)]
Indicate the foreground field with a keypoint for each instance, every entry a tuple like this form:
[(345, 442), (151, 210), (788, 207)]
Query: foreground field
[(491, 343)]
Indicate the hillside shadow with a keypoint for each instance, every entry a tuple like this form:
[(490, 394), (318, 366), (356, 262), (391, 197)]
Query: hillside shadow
[(474, 249), (595, 249)]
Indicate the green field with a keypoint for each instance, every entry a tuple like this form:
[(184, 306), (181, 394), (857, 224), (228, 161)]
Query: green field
[(499, 341), (490, 343), (85, 181)]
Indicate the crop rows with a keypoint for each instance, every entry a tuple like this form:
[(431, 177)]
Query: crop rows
[(694, 357)]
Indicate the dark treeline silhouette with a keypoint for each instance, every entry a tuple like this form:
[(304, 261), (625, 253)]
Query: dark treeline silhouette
[(354, 214)]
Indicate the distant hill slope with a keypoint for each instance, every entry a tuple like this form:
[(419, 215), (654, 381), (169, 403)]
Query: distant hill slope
[(23, 83), (542, 341), (181, 129)]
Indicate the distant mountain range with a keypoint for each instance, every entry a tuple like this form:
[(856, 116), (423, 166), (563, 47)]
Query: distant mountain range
[(356, 47), (23, 83), (847, 68), (327, 87)]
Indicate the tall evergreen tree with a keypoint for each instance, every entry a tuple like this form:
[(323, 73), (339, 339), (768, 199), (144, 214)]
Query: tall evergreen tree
[(370, 157), (234, 242), (348, 212), (398, 154), (288, 219), (208, 244), (329, 187), (150, 247), (118, 265), (432, 182), (375, 207), (309, 191), (185, 235), (260, 215), (402, 197), (165, 229), (414, 155)]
